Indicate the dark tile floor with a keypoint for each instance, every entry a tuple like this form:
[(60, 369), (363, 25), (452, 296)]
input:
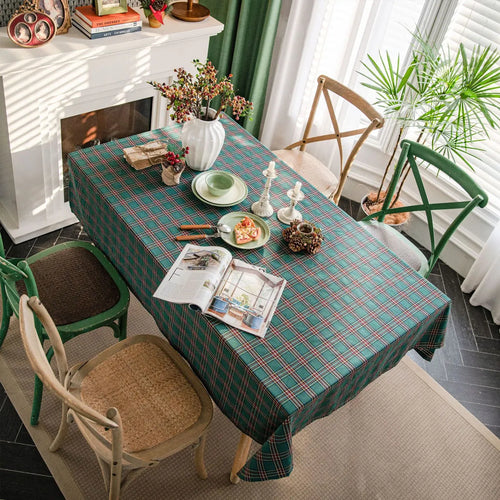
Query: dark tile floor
[(468, 367)]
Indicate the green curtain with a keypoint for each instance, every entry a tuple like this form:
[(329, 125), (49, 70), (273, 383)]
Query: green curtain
[(245, 48)]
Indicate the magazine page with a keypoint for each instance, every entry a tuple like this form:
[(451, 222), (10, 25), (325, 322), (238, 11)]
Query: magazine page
[(194, 276), (246, 298)]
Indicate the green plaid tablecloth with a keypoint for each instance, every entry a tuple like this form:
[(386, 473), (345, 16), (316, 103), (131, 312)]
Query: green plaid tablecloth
[(347, 314)]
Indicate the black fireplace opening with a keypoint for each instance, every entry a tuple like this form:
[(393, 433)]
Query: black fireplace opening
[(103, 125)]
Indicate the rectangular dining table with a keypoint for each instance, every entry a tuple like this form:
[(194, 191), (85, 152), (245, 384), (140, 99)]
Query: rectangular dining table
[(347, 314)]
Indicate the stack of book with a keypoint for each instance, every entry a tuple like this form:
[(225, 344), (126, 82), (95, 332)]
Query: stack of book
[(93, 26)]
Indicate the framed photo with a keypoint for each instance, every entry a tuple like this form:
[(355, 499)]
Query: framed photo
[(31, 28), (58, 10), (104, 7)]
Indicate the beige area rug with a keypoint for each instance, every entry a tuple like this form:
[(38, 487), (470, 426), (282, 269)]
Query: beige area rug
[(403, 437)]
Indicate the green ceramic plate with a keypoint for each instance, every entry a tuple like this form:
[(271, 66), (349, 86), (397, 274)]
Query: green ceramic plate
[(236, 195), (233, 218)]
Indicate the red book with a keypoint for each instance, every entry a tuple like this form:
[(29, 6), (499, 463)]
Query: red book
[(88, 15)]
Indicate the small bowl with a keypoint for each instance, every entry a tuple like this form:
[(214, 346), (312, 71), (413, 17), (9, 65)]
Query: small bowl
[(219, 183)]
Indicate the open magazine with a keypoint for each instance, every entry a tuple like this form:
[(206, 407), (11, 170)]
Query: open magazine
[(239, 294)]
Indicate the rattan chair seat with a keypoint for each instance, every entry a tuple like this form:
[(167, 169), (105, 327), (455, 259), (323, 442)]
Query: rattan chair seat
[(155, 400), (82, 290), (135, 403), (73, 285), (310, 168)]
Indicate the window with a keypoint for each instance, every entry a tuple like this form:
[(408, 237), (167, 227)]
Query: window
[(333, 37), (478, 22)]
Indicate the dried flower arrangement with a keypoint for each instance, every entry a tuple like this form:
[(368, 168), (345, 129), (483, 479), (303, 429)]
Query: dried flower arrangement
[(190, 96)]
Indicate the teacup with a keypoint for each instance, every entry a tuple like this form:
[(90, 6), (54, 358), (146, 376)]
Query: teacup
[(219, 183)]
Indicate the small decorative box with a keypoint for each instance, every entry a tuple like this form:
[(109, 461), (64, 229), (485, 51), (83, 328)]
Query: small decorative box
[(146, 155)]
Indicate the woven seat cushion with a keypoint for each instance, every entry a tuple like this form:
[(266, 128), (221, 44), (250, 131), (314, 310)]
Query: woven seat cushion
[(73, 285), (400, 245), (310, 168), (156, 402)]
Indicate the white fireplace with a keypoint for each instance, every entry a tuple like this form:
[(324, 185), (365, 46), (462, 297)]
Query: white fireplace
[(69, 76)]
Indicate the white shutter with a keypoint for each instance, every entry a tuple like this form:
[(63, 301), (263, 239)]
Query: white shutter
[(475, 21), (478, 22)]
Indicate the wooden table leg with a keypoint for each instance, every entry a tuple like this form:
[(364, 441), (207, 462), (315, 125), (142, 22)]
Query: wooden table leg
[(240, 457)]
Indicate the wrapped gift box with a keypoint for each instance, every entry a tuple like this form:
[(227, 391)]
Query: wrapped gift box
[(145, 155)]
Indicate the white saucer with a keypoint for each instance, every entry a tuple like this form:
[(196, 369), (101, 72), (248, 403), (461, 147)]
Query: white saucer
[(234, 196)]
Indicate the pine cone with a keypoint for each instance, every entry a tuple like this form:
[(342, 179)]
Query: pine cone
[(314, 245), (296, 244), (287, 233)]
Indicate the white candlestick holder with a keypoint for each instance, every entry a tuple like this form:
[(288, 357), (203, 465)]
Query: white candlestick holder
[(290, 213), (263, 208)]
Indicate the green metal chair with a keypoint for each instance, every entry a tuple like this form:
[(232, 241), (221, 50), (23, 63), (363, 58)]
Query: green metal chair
[(80, 287), (401, 246)]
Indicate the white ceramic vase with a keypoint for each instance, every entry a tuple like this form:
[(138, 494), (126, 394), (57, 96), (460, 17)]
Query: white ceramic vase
[(205, 140)]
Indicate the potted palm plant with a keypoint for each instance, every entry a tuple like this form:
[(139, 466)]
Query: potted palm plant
[(449, 101)]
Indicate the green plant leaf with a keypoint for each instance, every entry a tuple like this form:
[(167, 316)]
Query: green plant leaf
[(452, 97)]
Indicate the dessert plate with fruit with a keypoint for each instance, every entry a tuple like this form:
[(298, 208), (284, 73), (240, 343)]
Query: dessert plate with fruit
[(248, 230)]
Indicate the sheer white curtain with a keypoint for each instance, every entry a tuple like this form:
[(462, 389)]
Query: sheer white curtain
[(319, 37), (297, 37), (484, 277)]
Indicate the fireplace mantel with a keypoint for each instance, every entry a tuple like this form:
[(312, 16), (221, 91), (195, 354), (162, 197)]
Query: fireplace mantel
[(68, 76)]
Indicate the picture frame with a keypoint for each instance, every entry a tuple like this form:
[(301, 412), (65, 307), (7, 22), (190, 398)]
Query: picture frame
[(31, 28), (59, 11), (104, 7)]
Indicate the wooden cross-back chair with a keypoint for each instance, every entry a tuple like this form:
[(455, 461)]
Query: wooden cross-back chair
[(412, 152), (135, 403), (81, 288), (310, 167)]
